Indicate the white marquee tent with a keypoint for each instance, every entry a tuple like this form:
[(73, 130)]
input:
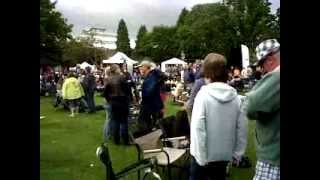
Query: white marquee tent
[(171, 61), (85, 64), (120, 58)]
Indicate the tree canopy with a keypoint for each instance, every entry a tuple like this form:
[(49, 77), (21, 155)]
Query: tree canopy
[(139, 51), (123, 42), (212, 27), (54, 32), (79, 50)]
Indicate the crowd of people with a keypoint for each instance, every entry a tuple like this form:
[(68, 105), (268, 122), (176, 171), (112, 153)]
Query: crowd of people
[(217, 113)]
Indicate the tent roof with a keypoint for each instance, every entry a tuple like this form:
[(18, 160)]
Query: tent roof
[(85, 64), (173, 61), (119, 58)]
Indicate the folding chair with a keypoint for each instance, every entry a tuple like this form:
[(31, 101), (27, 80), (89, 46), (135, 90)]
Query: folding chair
[(146, 164), (154, 147)]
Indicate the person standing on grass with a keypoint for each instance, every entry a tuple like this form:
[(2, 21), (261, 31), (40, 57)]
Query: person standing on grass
[(188, 77), (134, 98), (263, 106), (151, 104), (107, 131), (216, 122), (195, 89), (116, 92), (72, 91), (89, 82)]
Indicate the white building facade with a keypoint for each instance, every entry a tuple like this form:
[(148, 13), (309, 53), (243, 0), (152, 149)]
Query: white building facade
[(102, 38)]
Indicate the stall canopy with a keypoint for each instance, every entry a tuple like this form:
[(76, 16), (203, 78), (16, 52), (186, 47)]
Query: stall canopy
[(120, 58), (171, 61), (85, 64)]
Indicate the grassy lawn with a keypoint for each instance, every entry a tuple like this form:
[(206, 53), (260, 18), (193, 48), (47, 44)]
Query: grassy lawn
[(68, 145)]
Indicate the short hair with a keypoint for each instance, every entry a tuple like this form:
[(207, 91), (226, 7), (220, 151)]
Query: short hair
[(147, 63), (88, 69), (215, 68), (71, 74)]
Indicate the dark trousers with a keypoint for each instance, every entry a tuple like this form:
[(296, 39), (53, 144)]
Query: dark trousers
[(148, 120), (73, 103), (90, 101), (212, 171), (119, 120), (120, 129)]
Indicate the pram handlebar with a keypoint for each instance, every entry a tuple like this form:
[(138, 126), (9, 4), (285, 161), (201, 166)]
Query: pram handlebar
[(175, 138)]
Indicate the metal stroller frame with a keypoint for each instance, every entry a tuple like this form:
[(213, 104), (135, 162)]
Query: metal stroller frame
[(148, 158), (142, 164)]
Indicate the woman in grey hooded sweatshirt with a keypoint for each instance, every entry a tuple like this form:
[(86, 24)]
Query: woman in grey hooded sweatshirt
[(217, 122)]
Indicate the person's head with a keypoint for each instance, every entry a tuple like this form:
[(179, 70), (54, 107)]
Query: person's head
[(88, 69), (198, 67), (145, 67), (236, 72), (215, 68), (201, 71), (71, 74), (268, 55), (124, 67), (82, 72), (115, 69), (185, 67)]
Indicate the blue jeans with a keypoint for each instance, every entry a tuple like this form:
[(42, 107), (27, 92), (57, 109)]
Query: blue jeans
[(107, 131), (212, 171), (111, 124), (120, 128), (90, 101)]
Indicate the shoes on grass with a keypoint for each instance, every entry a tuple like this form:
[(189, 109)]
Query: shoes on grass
[(243, 163)]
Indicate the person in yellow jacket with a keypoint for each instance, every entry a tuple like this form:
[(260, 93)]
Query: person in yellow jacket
[(72, 92)]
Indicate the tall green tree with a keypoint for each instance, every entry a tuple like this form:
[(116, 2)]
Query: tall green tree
[(278, 23), (160, 44), (181, 29), (253, 20), (182, 17), (123, 42), (214, 27), (54, 32), (139, 51), (205, 29), (278, 16)]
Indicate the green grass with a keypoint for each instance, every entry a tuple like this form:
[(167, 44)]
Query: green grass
[(68, 145)]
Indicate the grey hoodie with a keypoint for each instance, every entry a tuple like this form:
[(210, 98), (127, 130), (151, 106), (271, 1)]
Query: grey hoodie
[(217, 124)]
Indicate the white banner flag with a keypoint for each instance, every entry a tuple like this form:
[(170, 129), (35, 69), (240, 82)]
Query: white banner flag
[(245, 56)]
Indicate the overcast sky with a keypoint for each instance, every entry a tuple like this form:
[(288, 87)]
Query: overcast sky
[(107, 13)]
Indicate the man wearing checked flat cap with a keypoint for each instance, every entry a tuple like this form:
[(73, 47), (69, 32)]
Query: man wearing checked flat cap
[(263, 106)]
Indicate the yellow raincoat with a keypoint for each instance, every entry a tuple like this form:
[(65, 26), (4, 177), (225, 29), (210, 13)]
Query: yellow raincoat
[(72, 89)]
